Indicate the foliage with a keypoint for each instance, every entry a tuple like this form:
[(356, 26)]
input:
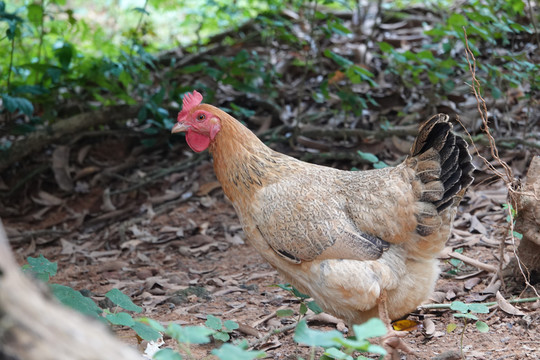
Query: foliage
[(488, 24), (222, 329), (43, 269), (510, 219), (337, 346), (304, 304), (146, 328), (466, 312), (61, 57)]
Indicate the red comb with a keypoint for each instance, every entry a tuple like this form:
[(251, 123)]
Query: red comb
[(189, 102)]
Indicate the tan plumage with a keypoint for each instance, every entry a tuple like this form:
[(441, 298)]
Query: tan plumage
[(344, 237)]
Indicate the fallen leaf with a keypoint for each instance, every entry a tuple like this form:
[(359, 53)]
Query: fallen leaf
[(405, 325), (493, 288), (207, 188), (46, 199), (472, 282), (505, 306), (429, 327), (60, 167)]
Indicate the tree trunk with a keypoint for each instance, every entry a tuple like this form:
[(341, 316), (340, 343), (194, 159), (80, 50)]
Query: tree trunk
[(33, 326), (528, 222)]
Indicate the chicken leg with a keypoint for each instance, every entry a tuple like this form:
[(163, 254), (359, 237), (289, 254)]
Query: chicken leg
[(392, 340)]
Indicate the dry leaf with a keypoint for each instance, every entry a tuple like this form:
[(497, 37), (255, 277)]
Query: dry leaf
[(505, 306), (429, 327), (493, 288), (46, 199), (472, 282), (405, 325), (60, 167), (207, 188), (107, 203)]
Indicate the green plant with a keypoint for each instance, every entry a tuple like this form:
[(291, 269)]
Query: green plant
[(222, 329), (146, 328), (510, 219), (466, 313), (336, 346), (302, 298), (44, 270)]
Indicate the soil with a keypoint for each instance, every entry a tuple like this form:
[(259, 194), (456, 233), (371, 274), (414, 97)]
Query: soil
[(175, 246)]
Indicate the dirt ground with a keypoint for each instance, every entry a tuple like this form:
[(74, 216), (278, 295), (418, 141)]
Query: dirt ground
[(176, 247)]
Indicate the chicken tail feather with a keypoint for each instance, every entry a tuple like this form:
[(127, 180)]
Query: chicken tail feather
[(443, 166)]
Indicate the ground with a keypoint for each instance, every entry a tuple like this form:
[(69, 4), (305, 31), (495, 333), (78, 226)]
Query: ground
[(175, 246)]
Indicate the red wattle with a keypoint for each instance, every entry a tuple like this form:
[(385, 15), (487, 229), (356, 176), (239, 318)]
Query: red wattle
[(196, 141)]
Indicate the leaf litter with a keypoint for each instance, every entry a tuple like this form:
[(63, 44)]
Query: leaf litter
[(173, 243)]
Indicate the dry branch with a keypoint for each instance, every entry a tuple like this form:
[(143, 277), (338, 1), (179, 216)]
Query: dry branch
[(33, 326), (41, 138)]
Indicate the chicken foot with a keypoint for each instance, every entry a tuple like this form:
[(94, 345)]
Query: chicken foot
[(392, 340)]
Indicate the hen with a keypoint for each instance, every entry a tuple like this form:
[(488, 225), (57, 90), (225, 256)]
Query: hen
[(361, 243)]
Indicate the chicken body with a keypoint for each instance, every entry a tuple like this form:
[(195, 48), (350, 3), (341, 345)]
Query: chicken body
[(344, 237)]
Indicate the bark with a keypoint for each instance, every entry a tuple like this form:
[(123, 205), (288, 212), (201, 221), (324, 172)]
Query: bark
[(41, 138), (528, 221), (33, 326)]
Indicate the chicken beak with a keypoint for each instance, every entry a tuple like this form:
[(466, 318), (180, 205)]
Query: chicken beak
[(179, 127)]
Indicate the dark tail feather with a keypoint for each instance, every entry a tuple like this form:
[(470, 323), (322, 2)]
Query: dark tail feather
[(443, 165)]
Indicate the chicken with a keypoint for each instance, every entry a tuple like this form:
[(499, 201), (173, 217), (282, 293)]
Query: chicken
[(361, 243)]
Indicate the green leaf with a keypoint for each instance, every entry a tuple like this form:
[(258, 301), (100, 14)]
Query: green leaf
[(120, 299), (385, 47), (190, 334), (376, 349), (368, 157), (459, 306), (121, 318), (517, 235), (372, 328), (156, 325), (167, 354), (451, 327), (75, 300), (466, 316), (141, 10), (482, 326), (230, 325), (221, 336), (35, 13), (337, 354), (213, 322), (145, 331), (64, 54), (42, 268), (299, 294), (284, 312), (478, 308), (304, 335), (457, 20), (234, 352), (303, 309), (313, 306), (338, 59), (13, 104)]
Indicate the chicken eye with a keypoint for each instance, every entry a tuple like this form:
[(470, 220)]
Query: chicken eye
[(201, 117)]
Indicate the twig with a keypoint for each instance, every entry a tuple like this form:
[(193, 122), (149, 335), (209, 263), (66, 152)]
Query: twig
[(263, 339), (475, 263), (447, 306), (31, 234), (184, 165)]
